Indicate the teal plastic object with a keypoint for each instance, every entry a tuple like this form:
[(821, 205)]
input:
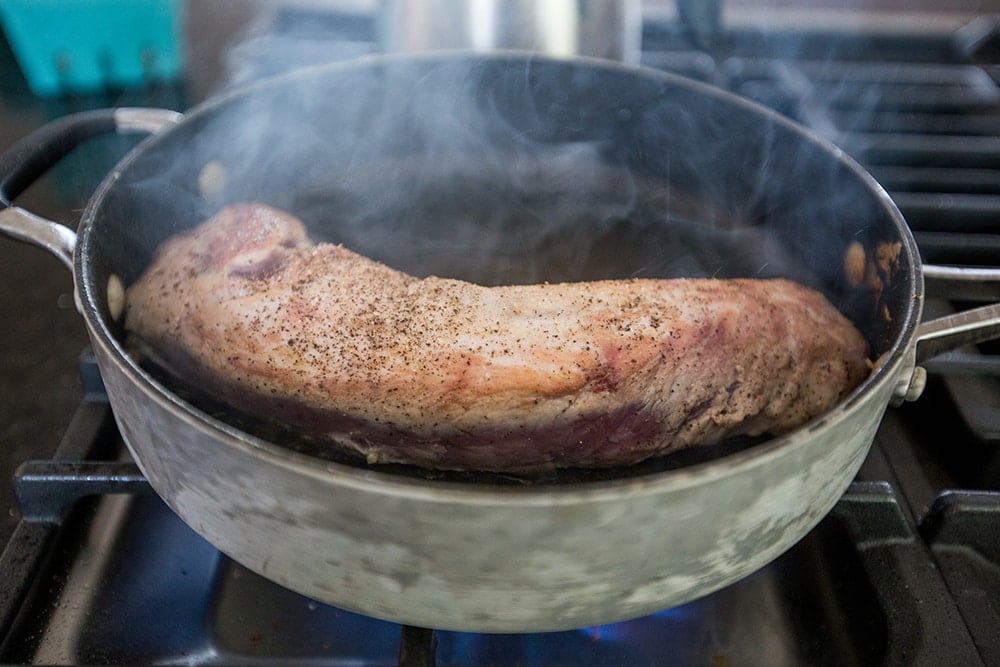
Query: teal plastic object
[(90, 45)]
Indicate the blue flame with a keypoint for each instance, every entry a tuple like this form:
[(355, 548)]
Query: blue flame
[(624, 631), (626, 642)]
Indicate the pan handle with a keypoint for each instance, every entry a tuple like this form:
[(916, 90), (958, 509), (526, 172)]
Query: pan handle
[(947, 333), (965, 328), (35, 154), (962, 283)]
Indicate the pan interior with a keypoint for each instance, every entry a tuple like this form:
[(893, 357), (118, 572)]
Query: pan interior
[(514, 170)]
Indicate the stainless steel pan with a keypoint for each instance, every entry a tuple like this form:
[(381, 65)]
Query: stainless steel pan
[(498, 168)]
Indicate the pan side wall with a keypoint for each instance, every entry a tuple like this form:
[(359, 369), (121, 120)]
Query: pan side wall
[(506, 560), (491, 560)]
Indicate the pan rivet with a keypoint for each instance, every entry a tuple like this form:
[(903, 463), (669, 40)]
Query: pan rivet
[(854, 264), (212, 179), (917, 383), (116, 296)]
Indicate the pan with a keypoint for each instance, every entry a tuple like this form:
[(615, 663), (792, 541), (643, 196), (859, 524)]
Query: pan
[(497, 168)]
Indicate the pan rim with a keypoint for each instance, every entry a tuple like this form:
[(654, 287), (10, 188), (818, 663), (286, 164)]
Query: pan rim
[(886, 371)]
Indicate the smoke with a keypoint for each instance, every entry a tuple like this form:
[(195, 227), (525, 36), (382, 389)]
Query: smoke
[(506, 169)]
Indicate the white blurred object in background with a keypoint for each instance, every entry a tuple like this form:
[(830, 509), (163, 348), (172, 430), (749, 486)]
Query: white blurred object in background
[(610, 29)]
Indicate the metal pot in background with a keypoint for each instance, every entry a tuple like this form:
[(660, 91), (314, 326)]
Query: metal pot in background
[(610, 29)]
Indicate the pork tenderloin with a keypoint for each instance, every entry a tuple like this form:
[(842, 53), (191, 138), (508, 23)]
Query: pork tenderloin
[(447, 374)]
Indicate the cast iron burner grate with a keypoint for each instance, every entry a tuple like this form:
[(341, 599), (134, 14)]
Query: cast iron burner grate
[(98, 571)]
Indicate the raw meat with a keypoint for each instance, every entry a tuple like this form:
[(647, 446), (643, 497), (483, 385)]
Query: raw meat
[(447, 374)]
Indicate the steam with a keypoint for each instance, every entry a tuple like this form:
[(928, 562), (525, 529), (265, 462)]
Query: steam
[(503, 170), (518, 173)]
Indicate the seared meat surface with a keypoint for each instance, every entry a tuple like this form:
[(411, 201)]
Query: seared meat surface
[(447, 374)]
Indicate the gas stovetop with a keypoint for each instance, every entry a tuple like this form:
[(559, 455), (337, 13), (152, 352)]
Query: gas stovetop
[(99, 571), (905, 569)]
